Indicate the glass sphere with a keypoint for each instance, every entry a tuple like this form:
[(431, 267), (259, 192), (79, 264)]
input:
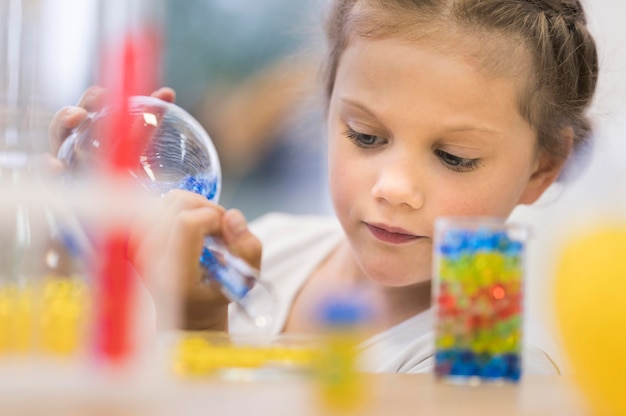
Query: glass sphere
[(170, 147), (165, 148)]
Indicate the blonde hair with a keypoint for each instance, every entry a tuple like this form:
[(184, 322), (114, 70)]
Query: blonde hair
[(554, 32)]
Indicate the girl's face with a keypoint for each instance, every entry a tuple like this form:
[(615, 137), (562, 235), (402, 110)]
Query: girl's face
[(414, 134)]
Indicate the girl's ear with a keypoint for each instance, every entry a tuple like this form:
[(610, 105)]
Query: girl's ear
[(547, 169)]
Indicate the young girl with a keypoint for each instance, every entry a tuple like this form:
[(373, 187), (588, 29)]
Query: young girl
[(434, 108)]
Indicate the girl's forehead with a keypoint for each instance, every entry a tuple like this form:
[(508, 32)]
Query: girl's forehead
[(491, 53), (390, 75), (495, 51)]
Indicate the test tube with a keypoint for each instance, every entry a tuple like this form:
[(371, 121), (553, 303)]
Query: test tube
[(478, 270)]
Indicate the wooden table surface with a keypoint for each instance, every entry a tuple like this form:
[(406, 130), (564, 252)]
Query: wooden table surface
[(398, 395), (387, 395)]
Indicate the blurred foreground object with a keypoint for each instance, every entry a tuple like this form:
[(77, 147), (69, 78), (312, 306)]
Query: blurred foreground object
[(45, 294), (51, 303), (243, 357), (590, 289), (342, 323)]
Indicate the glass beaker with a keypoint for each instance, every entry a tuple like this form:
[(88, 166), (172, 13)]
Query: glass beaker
[(478, 272)]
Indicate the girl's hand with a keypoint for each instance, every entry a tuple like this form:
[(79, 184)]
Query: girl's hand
[(166, 245), (93, 99)]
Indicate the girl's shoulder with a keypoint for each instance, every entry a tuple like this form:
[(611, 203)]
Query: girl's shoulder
[(280, 221), (288, 237), (281, 230), (293, 246)]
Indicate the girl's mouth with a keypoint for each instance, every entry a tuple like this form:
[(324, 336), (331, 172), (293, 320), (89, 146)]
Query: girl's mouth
[(391, 235)]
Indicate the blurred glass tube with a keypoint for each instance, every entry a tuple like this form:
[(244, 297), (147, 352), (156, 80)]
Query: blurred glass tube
[(45, 63), (19, 130), (136, 24), (129, 43), (19, 56), (35, 244)]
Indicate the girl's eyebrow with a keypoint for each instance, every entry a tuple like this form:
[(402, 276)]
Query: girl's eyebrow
[(380, 124), (468, 127), (360, 106), (453, 128)]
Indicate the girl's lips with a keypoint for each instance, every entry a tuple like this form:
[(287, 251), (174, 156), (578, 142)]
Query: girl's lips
[(390, 235)]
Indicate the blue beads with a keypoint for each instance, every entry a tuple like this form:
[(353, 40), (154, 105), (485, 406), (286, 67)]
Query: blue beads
[(344, 311), (202, 186), (456, 242), (467, 363), (234, 284)]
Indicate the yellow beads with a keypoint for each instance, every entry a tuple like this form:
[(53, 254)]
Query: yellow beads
[(50, 318), (196, 355), (15, 318), (64, 315)]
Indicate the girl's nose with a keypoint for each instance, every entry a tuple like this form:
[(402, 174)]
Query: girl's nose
[(397, 186)]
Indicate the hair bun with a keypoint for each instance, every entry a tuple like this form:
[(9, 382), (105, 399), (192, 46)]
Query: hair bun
[(572, 9), (569, 10)]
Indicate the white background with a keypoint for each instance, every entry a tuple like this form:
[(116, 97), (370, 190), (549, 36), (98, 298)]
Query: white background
[(599, 193)]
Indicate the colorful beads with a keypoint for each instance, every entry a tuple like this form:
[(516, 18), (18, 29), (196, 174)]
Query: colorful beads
[(479, 301)]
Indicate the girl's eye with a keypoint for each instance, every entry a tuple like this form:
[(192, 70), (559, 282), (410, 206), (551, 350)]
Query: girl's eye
[(456, 163), (364, 140)]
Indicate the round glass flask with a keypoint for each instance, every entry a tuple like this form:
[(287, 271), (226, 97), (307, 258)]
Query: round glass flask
[(172, 151)]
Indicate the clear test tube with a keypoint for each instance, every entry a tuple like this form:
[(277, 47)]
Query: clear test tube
[(478, 295)]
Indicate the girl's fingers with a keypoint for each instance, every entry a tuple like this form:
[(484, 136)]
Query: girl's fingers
[(176, 215), (189, 230), (93, 99), (62, 124), (178, 257), (240, 241), (165, 94), (70, 117), (49, 163), (161, 213), (171, 266)]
